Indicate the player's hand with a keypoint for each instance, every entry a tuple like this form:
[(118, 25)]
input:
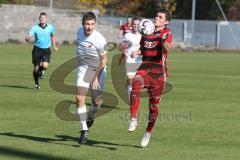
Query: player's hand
[(122, 48), (27, 38), (135, 53), (95, 84), (122, 58), (55, 48), (124, 45)]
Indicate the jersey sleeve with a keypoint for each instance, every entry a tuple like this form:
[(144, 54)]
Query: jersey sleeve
[(167, 36), (78, 32), (78, 35), (102, 45)]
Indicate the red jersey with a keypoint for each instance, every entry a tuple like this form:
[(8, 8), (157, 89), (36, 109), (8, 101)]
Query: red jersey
[(154, 55), (126, 28)]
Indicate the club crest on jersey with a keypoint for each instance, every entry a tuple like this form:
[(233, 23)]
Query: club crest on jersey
[(148, 44)]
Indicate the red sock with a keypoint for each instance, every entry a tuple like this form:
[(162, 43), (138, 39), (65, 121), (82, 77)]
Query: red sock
[(152, 117)]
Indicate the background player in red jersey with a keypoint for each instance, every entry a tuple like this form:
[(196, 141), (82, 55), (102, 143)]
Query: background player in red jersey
[(152, 72), (125, 28)]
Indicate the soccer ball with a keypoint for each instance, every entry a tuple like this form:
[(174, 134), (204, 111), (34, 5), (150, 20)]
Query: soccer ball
[(146, 27)]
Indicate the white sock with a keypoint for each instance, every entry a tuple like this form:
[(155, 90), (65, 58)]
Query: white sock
[(129, 89), (82, 113), (134, 119)]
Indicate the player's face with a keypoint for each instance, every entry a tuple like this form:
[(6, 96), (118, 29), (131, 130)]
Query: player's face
[(89, 26), (160, 20), (135, 26), (43, 19)]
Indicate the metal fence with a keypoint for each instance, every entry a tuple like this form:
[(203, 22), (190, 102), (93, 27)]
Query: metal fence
[(207, 34)]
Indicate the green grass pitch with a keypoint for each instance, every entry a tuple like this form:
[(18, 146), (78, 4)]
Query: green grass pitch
[(199, 117)]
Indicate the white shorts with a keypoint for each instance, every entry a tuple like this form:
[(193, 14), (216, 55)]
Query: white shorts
[(131, 68), (85, 76)]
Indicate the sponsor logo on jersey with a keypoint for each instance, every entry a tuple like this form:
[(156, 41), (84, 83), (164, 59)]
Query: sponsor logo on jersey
[(148, 44)]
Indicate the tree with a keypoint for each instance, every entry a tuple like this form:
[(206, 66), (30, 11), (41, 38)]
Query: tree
[(93, 4), (234, 11), (2, 1), (205, 9), (141, 7)]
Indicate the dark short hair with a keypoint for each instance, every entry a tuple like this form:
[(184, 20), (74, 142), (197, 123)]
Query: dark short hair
[(129, 16), (136, 18), (42, 14), (167, 14), (88, 16)]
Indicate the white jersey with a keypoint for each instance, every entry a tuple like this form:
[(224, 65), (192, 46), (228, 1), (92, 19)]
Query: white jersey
[(89, 48), (134, 38)]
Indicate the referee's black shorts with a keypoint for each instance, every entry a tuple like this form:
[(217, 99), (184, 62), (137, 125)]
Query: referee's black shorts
[(40, 55)]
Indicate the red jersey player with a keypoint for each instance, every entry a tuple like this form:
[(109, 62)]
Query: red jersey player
[(152, 72), (125, 28)]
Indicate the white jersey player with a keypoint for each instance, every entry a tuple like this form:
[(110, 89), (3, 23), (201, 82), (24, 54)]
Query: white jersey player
[(132, 63), (91, 71), (89, 50)]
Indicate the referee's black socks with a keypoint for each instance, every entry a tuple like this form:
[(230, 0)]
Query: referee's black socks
[(40, 69), (35, 76)]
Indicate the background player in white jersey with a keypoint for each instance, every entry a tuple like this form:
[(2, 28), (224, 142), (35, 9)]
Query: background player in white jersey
[(131, 63), (91, 58)]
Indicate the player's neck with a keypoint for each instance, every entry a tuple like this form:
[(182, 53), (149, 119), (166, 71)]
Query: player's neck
[(87, 34), (42, 24), (134, 32), (160, 28), (129, 24)]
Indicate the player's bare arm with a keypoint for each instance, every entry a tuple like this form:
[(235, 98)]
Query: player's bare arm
[(122, 47), (54, 42), (103, 61), (120, 35), (166, 44)]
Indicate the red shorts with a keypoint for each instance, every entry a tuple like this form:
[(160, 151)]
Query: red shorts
[(153, 83)]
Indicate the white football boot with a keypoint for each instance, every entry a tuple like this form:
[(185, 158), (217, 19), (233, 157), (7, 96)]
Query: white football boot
[(145, 139)]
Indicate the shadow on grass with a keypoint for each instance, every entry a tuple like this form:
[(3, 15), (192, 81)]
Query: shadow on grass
[(15, 86), (59, 139), (14, 152), (95, 143)]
